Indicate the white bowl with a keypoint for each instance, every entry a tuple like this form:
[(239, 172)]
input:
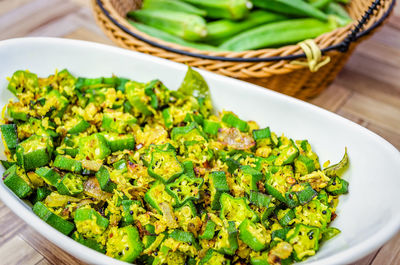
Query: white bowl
[(368, 216)]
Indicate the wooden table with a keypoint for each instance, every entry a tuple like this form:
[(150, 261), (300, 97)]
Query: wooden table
[(367, 91)]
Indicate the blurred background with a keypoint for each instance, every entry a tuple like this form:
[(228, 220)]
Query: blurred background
[(367, 91)]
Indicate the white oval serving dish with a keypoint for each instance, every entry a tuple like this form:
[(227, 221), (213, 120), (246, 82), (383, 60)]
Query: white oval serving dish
[(368, 216)]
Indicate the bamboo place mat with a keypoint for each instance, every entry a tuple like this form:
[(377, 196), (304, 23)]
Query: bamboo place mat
[(367, 92)]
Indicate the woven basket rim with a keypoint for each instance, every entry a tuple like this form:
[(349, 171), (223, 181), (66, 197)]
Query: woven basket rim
[(341, 46)]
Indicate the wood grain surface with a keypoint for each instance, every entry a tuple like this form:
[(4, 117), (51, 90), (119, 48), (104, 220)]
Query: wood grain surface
[(367, 92)]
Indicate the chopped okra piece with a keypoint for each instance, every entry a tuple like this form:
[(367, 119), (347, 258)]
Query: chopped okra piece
[(184, 189), (261, 259), (22, 82), (119, 142), (137, 98), (323, 197), (168, 256), (287, 156), (262, 136), (314, 213), (67, 163), (191, 261), (89, 222), (90, 167), (117, 121), (53, 219), (40, 194), (236, 209), (263, 202), (286, 217), (184, 237), (9, 134), (93, 147), (232, 120), (304, 165), (248, 177), (85, 83), (55, 104), (209, 230), (149, 91), (259, 199), (226, 242), (188, 133), (34, 152), (71, 140), (50, 176), (337, 186), (103, 176), (276, 182), (167, 118), (15, 180), (7, 164), (218, 185), (124, 243), (254, 235), (67, 82), (64, 150), (304, 240), (186, 215), (211, 127), (76, 125), (147, 153), (149, 239), (212, 257), (157, 195), (164, 166), (261, 162), (303, 192), (280, 233), (131, 209), (35, 127), (96, 96), (194, 117), (18, 112), (70, 185), (188, 169), (120, 84), (89, 242), (121, 164)]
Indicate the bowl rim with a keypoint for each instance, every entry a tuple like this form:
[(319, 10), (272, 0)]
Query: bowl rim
[(22, 210)]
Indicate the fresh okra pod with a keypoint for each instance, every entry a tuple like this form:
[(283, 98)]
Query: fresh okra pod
[(187, 26), (220, 30), (279, 33), (154, 32), (291, 7), (236, 9), (320, 4), (336, 9), (174, 5)]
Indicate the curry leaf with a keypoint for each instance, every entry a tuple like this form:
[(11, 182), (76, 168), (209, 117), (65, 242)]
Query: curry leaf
[(194, 85)]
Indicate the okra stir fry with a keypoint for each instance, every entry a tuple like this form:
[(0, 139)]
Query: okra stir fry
[(149, 175)]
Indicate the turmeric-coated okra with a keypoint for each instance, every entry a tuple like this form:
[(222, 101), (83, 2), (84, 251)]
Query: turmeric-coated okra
[(149, 175)]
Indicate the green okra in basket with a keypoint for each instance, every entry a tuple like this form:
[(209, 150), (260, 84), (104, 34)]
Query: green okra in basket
[(226, 25)]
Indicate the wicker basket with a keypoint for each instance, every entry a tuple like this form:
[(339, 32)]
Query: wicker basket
[(271, 68)]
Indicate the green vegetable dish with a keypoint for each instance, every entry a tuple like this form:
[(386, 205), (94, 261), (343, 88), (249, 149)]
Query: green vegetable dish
[(149, 175)]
